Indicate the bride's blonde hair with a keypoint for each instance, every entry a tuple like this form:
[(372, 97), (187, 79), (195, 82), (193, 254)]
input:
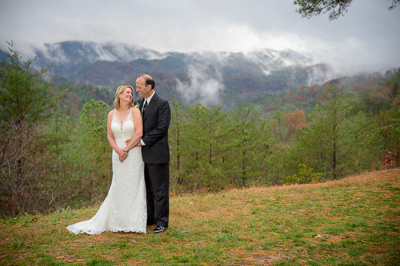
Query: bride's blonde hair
[(118, 92)]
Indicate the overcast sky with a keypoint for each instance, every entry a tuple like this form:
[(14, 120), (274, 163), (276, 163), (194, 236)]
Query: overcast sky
[(367, 38)]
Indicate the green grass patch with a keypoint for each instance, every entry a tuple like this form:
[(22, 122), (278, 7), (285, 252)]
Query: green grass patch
[(354, 221)]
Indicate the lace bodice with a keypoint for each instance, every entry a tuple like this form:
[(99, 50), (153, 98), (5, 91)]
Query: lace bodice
[(122, 125)]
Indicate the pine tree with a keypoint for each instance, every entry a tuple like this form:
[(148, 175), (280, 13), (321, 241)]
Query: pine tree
[(331, 135), (251, 144), (92, 143), (177, 141), (22, 92), (205, 141)]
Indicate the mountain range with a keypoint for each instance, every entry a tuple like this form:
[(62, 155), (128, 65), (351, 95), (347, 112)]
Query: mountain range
[(195, 77)]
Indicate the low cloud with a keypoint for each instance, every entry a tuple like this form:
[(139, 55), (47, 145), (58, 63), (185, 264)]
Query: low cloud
[(201, 88), (93, 51), (319, 74)]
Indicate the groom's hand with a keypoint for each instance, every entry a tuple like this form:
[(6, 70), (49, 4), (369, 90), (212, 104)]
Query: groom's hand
[(127, 141)]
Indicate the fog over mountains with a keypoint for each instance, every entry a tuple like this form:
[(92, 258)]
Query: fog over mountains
[(204, 77)]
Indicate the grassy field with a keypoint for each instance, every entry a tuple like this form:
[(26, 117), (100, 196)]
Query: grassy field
[(353, 221)]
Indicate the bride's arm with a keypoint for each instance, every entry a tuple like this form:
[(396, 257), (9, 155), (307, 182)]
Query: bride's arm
[(137, 121), (110, 136)]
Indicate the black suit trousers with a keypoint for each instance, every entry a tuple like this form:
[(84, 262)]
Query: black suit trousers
[(157, 193)]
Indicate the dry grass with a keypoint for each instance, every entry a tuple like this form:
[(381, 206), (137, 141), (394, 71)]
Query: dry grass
[(353, 221)]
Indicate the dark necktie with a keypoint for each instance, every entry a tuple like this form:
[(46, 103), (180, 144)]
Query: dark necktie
[(144, 107)]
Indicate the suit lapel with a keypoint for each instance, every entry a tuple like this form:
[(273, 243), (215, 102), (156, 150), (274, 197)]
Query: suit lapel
[(141, 101), (151, 104)]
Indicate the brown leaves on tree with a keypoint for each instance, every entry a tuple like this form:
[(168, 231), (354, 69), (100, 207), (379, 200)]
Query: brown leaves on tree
[(390, 160), (294, 121)]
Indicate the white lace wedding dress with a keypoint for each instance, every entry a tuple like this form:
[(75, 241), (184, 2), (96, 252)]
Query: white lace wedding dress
[(124, 208)]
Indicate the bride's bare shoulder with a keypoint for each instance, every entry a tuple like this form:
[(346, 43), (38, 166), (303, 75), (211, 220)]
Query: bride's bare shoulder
[(111, 113), (136, 111)]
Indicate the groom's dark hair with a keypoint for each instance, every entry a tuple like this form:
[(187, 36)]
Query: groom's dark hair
[(148, 80)]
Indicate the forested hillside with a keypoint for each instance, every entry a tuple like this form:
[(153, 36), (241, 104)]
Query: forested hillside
[(54, 152)]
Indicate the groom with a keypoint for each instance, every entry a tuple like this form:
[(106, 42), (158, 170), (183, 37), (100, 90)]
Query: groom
[(156, 116)]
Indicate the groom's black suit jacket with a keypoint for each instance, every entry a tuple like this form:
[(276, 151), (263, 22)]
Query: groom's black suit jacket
[(155, 130)]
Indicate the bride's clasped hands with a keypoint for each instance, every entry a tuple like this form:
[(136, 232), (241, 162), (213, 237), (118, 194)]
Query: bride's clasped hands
[(123, 154)]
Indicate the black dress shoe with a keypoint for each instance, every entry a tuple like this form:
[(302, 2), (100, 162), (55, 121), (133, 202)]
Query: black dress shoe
[(159, 229)]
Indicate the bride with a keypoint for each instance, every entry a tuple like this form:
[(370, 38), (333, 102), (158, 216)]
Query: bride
[(124, 208)]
